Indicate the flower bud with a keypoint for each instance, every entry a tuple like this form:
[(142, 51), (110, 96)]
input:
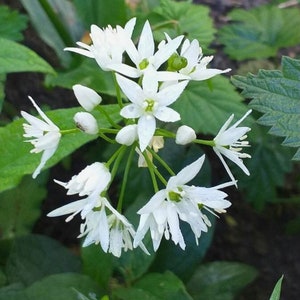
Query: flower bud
[(86, 122), (185, 135), (86, 97), (127, 135)]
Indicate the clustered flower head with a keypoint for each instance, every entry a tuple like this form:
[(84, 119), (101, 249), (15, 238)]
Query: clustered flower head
[(151, 79)]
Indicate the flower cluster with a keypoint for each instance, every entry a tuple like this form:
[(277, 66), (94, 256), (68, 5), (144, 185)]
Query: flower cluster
[(151, 79)]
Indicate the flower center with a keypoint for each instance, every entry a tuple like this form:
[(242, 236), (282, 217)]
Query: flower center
[(149, 105), (176, 62), (176, 196), (144, 64)]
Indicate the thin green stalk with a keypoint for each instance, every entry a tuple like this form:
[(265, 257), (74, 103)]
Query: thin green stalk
[(125, 178), (162, 162), (107, 116), (69, 131), (114, 156), (117, 162), (151, 168), (106, 138), (205, 142), (164, 133)]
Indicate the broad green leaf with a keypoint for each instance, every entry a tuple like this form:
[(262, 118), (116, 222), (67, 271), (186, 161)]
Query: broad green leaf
[(154, 286), (11, 24), (185, 18), (268, 166), (260, 32), (220, 280), (20, 208), (16, 159), (277, 95), (97, 264), (18, 58), (88, 73), (47, 30), (2, 278), (34, 257), (277, 289), (206, 109), (101, 12), (63, 287), (2, 81)]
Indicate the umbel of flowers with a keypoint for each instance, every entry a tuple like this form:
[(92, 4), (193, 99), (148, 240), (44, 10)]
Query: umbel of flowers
[(151, 78)]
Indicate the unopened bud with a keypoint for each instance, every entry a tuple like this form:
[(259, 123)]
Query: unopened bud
[(185, 135), (86, 122), (86, 97), (127, 135)]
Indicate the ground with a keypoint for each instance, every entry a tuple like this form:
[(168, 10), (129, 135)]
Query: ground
[(255, 238)]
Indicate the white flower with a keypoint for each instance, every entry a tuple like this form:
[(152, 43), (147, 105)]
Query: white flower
[(145, 58), (196, 66), (90, 182), (86, 122), (45, 136), (108, 44), (149, 104), (86, 97), (162, 214), (185, 135), (230, 141)]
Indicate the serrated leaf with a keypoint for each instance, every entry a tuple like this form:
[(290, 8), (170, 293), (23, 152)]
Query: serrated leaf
[(34, 257), (154, 286), (205, 109), (277, 95), (260, 32), (189, 19), (87, 73), (20, 208), (16, 159), (11, 24), (277, 289), (62, 287), (220, 280), (18, 58)]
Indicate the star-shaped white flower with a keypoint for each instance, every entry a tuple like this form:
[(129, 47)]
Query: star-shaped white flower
[(146, 59), (44, 133), (230, 142), (108, 44), (148, 103), (178, 201)]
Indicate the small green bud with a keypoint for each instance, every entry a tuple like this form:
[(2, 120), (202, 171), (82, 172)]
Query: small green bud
[(173, 196), (176, 62)]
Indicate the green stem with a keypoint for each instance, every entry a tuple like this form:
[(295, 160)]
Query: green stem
[(107, 116), (125, 178), (151, 168), (162, 162), (164, 133), (164, 24), (69, 131), (114, 156), (118, 91), (117, 159), (205, 142), (106, 138)]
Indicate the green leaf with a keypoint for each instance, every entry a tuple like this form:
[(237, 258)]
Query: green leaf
[(46, 29), (11, 24), (101, 12), (97, 264), (62, 287), (2, 82), (16, 159), (260, 32), (155, 286), (220, 280), (13, 292), (268, 166), (20, 208), (205, 109), (277, 289), (186, 18), (18, 58), (87, 73), (34, 257), (277, 95)]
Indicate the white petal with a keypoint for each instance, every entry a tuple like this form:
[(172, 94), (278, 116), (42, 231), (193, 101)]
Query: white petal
[(131, 111), (153, 203), (146, 129), (167, 114), (146, 42), (86, 97), (171, 93), (203, 74)]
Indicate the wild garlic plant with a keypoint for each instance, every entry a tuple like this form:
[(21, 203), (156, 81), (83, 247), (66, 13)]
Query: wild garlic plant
[(151, 79)]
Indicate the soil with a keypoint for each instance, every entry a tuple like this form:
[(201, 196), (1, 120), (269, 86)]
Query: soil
[(245, 235)]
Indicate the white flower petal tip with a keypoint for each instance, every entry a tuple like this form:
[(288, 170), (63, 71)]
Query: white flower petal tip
[(86, 122), (44, 134), (86, 97), (229, 142), (185, 135)]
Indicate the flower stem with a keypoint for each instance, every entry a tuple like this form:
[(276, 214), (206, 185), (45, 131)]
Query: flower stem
[(162, 162), (107, 116), (125, 178), (115, 155), (151, 168), (69, 131), (118, 91), (205, 142)]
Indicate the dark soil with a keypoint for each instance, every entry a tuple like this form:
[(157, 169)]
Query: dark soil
[(257, 239)]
